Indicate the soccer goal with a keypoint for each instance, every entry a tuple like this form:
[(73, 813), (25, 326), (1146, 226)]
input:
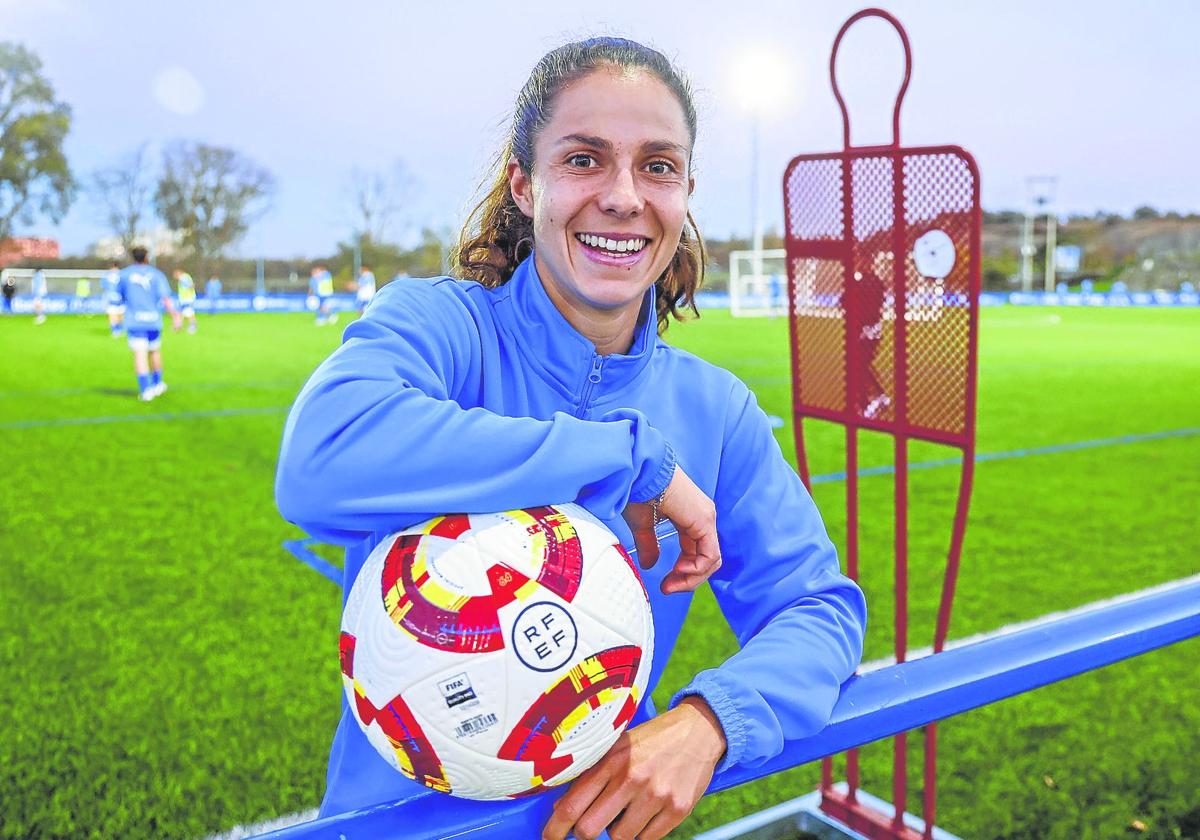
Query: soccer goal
[(758, 283), (59, 281)]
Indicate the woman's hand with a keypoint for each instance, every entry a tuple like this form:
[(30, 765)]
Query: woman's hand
[(695, 519), (648, 782)]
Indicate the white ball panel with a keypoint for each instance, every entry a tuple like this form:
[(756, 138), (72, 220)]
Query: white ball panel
[(456, 565), (465, 704), (611, 595), (387, 660), (507, 542), (476, 776), (366, 586)]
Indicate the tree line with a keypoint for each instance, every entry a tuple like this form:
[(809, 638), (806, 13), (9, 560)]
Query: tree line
[(208, 196)]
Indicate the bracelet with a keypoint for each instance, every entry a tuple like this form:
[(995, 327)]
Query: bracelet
[(656, 517)]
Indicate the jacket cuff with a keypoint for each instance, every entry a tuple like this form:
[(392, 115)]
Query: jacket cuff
[(657, 480), (653, 457), (710, 690)]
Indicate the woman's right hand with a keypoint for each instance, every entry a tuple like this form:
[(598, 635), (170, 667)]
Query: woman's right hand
[(695, 519)]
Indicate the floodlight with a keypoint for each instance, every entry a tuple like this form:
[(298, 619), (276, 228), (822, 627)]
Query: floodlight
[(761, 79)]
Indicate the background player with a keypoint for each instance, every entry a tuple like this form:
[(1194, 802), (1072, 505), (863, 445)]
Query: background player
[(39, 295), (9, 290), (320, 284), (212, 290), (145, 292), (112, 299), (83, 291), (872, 396), (187, 297), (364, 288)]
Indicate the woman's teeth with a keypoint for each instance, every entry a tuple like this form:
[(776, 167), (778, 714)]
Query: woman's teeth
[(622, 246)]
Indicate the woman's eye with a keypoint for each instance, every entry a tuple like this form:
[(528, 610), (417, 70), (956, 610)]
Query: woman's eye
[(582, 161)]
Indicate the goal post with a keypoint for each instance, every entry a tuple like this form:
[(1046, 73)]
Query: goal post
[(59, 281), (758, 283)]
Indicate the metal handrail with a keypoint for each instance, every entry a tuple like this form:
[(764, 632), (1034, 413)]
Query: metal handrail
[(871, 706)]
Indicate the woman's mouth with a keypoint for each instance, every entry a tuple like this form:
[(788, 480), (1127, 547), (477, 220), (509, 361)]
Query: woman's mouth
[(612, 249)]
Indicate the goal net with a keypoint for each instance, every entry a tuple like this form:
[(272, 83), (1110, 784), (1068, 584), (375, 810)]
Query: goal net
[(758, 283), (59, 281)]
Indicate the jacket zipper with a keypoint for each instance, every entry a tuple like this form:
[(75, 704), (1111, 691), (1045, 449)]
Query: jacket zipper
[(592, 380)]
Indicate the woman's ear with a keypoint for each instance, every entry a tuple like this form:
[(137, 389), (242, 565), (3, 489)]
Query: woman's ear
[(521, 186)]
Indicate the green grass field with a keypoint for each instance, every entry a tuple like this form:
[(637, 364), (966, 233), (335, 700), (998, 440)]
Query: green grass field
[(170, 671)]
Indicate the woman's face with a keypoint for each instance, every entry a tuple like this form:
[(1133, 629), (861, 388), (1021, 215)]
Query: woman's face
[(609, 190)]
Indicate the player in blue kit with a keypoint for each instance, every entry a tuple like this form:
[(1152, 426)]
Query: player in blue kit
[(364, 287), (212, 290), (146, 293), (542, 377), (112, 299), (320, 286)]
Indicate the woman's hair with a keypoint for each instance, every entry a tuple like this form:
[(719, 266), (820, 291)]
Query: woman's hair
[(497, 235)]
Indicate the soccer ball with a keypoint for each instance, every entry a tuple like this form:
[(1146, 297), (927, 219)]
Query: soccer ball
[(312, 303), (492, 656)]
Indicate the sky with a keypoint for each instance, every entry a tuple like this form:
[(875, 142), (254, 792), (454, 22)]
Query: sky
[(1100, 94)]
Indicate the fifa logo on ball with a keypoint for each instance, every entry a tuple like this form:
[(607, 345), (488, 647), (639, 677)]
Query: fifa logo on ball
[(544, 636)]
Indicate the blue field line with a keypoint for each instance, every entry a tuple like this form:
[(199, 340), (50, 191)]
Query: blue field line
[(299, 548), (890, 469), (138, 418), (191, 386)]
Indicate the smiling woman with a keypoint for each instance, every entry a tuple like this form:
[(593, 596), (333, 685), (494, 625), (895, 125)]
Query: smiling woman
[(603, 132), (540, 378), (608, 195)]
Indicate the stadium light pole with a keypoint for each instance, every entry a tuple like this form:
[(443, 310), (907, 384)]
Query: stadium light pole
[(1051, 239), (755, 204), (1039, 191), (762, 82)]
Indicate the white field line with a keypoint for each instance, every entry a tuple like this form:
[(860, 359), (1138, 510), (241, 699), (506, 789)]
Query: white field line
[(876, 664), (240, 831)]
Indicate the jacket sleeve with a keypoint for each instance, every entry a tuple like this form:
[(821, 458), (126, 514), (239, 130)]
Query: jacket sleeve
[(798, 620), (377, 441)]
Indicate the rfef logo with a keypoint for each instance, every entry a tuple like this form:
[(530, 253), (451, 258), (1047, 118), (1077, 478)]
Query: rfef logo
[(544, 636)]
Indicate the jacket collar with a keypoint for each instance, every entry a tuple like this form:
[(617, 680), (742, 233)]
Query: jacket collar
[(555, 348)]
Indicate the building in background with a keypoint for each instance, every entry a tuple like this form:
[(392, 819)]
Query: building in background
[(19, 248), (159, 241)]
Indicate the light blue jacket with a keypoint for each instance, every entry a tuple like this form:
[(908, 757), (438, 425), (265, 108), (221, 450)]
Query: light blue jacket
[(447, 396)]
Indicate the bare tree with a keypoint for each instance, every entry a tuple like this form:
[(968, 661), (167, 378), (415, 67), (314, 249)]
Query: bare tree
[(376, 198), (123, 191), (210, 195)]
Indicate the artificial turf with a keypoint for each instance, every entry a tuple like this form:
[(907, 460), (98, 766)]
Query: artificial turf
[(170, 671)]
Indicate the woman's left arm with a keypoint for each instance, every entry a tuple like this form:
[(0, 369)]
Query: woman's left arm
[(798, 620), (800, 625)]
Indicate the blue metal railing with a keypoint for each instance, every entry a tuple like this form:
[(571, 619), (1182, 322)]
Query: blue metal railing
[(871, 706)]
